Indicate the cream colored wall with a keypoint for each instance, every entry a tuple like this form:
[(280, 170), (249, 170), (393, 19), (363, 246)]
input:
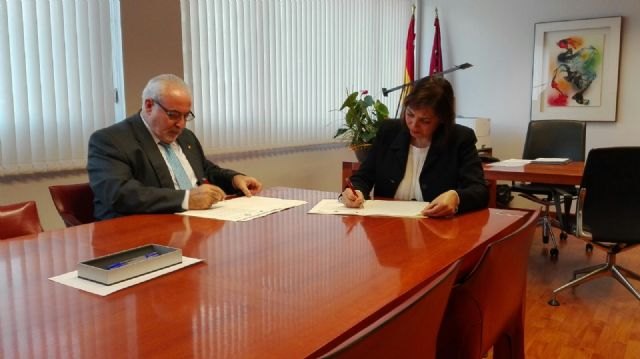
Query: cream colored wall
[(151, 44), (318, 169)]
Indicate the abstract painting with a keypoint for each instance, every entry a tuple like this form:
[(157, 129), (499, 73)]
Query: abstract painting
[(575, 70)]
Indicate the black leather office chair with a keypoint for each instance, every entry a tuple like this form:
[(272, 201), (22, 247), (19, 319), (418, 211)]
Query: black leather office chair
[(608, 213), (554, 139)]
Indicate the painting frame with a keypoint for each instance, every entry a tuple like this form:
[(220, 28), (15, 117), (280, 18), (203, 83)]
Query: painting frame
[(575, 69)]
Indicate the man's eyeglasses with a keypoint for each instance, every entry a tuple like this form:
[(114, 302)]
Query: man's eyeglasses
[(175, 115)]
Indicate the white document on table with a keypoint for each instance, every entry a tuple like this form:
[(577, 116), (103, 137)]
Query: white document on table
[(513, 162), (382, 208), (551, 160), (71, 279), (244, 208)]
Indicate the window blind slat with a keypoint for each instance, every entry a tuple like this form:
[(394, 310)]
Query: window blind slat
[(271, 73), (57, 76)]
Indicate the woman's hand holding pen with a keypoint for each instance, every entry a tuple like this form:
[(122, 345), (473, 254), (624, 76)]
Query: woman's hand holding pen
[(351, 197)]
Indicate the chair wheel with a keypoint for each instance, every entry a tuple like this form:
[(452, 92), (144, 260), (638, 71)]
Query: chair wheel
[(588, 247), (563, 236), (545, 239), (554, 252)]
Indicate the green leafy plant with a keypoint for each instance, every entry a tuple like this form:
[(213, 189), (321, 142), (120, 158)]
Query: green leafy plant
[(363, 118)]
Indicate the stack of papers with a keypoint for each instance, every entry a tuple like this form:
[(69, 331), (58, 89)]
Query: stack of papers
[(510, 163), (409, 209), (551, 161), (244, 208), (518, 162)]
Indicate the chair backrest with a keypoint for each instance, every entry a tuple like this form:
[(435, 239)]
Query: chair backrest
[(488, 300), (500, 278), (74, 203), (408, 330), (19, 219), (555, 138), (611, 185)]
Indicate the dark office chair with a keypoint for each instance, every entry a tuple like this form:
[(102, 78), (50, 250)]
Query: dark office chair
[(608, 213), (486, 309), (74, 203), (408, 330), (555, 139), (19, 219)]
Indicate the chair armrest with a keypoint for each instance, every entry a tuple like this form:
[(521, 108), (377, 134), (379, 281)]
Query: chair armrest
[(580, 232)]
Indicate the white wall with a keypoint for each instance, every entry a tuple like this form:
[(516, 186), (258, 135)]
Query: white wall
[(496, 36)]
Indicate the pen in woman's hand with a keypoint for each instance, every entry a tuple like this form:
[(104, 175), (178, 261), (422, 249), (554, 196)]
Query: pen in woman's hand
[(350, 185)]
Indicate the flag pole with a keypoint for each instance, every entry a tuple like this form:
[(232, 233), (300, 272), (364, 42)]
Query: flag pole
[(466, 65), (409, 62)]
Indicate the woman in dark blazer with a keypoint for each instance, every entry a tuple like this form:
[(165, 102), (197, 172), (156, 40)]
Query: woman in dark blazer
[(425, 156)]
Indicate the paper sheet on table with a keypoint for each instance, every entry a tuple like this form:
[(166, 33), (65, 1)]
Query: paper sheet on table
[(372, 208), (71, 279), (510, 163), (551, 160), (244, 208)]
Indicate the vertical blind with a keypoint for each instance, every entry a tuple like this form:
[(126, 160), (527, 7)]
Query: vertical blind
[(272, 73), (58, 75)]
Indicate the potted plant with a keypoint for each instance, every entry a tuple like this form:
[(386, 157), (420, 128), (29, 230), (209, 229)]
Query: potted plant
[(361, 121)]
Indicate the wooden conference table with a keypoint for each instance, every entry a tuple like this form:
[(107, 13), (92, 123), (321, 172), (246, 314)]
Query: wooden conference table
[(282, 286), (569, 173)]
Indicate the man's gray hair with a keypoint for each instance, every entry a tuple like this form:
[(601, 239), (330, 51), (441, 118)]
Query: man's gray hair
[(156, 87)]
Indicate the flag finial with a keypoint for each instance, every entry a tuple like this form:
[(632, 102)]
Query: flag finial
[(436, 12)]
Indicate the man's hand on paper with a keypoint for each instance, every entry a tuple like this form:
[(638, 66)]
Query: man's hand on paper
[(446, 204), (204, 196), (247, 185), (352, 200)]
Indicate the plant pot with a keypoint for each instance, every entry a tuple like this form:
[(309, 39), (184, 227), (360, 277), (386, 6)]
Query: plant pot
[(361, 151)]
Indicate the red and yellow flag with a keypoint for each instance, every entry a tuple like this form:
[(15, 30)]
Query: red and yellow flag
[(409, 55)]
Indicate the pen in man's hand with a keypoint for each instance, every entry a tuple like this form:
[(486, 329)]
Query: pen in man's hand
[(203, 180), (350, 185)]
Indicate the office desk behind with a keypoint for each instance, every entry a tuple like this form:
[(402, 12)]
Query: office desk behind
[(569, 173), (280, 286)]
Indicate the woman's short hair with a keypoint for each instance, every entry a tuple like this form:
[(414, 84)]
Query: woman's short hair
[(436, 93)]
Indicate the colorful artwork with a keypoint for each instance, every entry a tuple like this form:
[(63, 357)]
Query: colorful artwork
[(573, 68)]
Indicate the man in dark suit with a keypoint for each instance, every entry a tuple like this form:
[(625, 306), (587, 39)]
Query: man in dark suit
[(151, 163)]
